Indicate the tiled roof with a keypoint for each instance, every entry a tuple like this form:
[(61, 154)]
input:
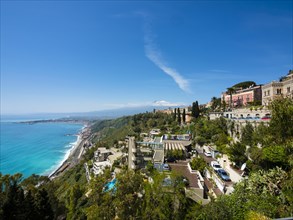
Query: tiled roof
[(181, 168)]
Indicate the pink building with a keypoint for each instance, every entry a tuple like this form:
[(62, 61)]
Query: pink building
[(243, 97)]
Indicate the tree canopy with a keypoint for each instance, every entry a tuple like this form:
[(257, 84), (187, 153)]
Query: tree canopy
[(195, 109), (244, 85), (267, 193)]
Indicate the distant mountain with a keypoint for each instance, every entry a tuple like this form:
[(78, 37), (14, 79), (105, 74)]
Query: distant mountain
[(114, 113), (94, 115)]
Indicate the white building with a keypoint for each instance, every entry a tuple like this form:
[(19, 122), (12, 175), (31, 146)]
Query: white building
[(101, 154), (99, 167), (277, 89)]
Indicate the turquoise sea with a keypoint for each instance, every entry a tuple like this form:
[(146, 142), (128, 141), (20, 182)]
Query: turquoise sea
[(35, 148)]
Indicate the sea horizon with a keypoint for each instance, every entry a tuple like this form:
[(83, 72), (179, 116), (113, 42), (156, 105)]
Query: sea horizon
[(30, 117)]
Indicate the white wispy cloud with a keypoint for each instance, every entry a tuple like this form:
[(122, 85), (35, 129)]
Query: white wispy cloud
[(160, 103), (166, 103), (154, 54)]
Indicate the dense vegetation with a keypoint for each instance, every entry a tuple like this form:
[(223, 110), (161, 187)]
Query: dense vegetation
[(268, 191), (265, 194), (22, 200), (244, 85), (111, 131)]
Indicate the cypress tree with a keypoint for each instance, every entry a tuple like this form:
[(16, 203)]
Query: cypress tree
[(195, 110), (179, 116), (184, 116), (175, 114)]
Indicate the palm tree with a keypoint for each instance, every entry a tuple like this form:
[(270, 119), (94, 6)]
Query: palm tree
[(230, 91), (215, 103)]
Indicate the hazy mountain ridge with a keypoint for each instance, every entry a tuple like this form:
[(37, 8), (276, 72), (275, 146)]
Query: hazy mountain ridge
[(92, 115)]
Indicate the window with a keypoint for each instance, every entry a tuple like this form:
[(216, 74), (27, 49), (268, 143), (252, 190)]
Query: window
[(288, 89), (279, 91)]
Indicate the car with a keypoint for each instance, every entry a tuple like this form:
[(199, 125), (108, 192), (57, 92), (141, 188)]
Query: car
[(266, 118), (166, 167), (171, 160), (194, 151), (248, 118), (223, 175), (215, 165), (208, 154)]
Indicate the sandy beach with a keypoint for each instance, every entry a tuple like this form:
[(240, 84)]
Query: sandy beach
[(75, 153)]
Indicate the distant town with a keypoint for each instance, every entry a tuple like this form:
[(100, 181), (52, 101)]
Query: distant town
[(246, 100)]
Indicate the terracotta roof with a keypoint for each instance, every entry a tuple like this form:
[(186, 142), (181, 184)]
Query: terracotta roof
[(181, 168), (217, 192), (208, 183)]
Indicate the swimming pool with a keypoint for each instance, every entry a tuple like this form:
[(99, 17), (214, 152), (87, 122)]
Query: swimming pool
[(110, 185)]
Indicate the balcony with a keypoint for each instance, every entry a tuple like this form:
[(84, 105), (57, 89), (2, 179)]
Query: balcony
[(146, 150)]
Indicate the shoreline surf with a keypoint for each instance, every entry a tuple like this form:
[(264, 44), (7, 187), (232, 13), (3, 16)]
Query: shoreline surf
[(73, 154), (27, 149), (59, 163)]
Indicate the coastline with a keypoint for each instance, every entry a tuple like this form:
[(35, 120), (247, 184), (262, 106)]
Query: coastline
[(75, 153)]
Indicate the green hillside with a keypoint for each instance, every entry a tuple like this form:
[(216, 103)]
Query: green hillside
[(266, 193)]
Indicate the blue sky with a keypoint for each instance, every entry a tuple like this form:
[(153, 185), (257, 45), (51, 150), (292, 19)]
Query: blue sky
[(79, 56)]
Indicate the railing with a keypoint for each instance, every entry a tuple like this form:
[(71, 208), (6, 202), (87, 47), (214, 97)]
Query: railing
[(153, 145), (200, 180)]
